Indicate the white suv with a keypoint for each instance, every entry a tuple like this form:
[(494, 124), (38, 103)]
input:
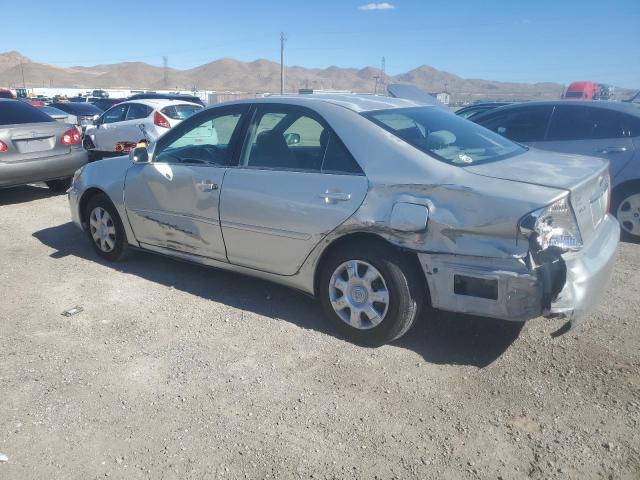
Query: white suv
[(127, 123)]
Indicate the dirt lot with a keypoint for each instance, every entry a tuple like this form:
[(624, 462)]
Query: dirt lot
[(174, 371)]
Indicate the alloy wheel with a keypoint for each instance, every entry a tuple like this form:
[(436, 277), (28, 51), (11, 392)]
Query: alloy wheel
[(359, 294), (103, 230), (628, 214)]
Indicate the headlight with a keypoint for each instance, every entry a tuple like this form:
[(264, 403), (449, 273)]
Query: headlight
[(553, 226)]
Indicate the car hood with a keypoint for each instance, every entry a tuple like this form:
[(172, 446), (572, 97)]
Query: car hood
[(538, 167)]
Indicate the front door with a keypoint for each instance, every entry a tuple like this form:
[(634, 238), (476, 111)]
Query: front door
[(106, 133), (173, 201), (296, 182)]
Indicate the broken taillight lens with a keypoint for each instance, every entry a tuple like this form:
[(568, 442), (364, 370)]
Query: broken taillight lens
[(553, 226)]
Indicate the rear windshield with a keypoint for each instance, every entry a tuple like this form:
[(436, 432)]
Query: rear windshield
[(180, 112), (444, 135), (14, 111), (573, 95)]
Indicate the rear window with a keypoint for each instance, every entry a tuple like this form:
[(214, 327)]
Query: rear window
[(78, 108), (445, 136), (180, 112), (6, 94), (14, 112)]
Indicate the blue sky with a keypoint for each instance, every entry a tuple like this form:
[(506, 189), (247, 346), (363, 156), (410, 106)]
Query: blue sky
[(509, 40)]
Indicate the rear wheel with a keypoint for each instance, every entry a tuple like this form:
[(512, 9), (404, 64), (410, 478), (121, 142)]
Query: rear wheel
[(105, 229), (626, 207), (59, 186), (371, 293)]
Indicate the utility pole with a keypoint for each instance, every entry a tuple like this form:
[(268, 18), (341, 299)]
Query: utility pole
[(165, 67), (282, 40), (24, 85), (383, 67), (375, 88)]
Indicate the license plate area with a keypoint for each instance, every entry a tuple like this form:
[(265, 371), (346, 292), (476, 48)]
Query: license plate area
[(34, 145)]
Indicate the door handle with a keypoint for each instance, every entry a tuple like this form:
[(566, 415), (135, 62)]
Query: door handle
[(334, 197), (614, 150), (208, 186)]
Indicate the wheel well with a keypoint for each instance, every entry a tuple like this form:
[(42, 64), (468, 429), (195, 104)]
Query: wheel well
[(626, 185), (84, 201), (360, 238)]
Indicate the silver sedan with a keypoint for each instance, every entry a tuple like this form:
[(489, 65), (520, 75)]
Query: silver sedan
[(377, 206)]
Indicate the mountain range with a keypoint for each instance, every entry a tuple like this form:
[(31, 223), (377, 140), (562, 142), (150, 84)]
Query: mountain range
[(259, 76)]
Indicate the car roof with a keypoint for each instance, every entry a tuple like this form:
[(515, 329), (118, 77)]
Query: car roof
[(356, 103), (157, 102), (603, 104)]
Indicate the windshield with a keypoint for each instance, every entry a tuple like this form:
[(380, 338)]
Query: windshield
[(574, 94), (78, 108), (445, 136)]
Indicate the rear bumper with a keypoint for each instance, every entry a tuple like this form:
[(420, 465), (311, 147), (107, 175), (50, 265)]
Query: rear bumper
[(588, 274), (42, 169), (519, 293)]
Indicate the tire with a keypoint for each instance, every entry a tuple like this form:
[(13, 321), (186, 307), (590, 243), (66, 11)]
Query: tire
[(59, 186), (355, 265), (105, 230), (626, 208)]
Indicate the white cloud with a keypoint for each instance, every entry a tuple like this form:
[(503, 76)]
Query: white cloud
[(377, 6)]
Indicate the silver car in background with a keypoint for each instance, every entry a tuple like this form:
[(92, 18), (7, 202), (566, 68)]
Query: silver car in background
[(376, 206), (609, 130), (36, 148)]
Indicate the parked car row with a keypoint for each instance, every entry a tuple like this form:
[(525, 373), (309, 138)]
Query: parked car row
[(377, 206)]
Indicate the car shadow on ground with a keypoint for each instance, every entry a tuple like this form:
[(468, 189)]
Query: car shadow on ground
[(24, 194), (439, 337)]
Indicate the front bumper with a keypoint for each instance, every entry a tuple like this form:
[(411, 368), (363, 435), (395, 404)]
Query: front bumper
[(519, 293), (41, 169)]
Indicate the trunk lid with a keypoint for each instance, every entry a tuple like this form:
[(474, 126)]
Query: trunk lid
[(586, 178), (29, 141)]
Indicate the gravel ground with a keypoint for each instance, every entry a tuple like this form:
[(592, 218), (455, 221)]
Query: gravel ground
[(174, 371)]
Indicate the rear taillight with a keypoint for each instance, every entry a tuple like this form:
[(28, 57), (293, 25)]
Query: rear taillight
[(3, 147), (160, 121), (70, 137)]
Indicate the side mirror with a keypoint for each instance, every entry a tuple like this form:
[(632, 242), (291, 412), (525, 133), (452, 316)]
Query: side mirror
[(139, 155), (292, 138), (96, 119)]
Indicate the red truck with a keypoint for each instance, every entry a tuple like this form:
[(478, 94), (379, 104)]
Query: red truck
[(582, 91)]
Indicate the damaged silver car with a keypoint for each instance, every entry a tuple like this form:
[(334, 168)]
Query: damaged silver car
[(377, 206)]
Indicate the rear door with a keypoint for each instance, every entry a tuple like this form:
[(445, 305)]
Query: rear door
[(173, 202), (522, 124), (129, 129), (295, 183), (593, 131), (107, 132)]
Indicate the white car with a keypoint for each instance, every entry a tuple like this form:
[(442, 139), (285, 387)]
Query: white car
[(128, 123)]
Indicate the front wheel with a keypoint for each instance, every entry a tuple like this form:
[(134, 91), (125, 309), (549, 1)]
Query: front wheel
[(105, 229), (371, 293), (626, 206), (59, 186)]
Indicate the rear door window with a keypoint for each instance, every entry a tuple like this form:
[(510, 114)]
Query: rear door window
[(137, 111), (585, 123), (14, 112), (526, 124)]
